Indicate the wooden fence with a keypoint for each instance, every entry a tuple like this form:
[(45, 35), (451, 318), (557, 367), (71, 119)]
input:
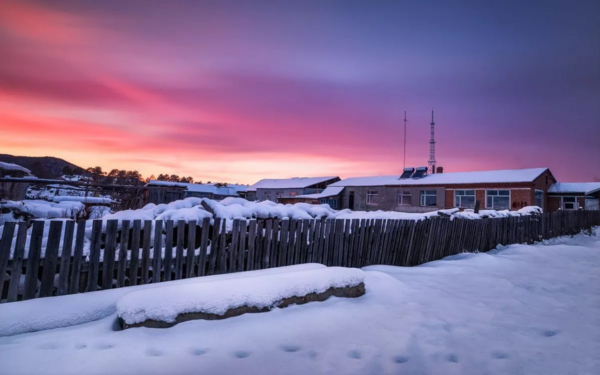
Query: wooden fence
[(134, 254)]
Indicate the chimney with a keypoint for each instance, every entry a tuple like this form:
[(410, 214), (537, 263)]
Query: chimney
[(440, 170)]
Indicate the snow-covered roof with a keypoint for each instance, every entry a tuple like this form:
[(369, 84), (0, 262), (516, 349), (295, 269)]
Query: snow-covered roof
[(230, 190), (289, 183), (13, 167), (575, 187), (453, 178), (330, 191)]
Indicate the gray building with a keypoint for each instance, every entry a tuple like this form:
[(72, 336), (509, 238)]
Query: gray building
[(166, 191), (287, 190)]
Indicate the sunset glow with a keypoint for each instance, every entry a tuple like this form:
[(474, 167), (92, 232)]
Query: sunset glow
[(239, 91)]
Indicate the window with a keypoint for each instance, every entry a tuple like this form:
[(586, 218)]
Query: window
[(404, 198), (498, 199), (372, 197), (539, 198), (428, 198), (569, 203), (464, 198), (332, 202)]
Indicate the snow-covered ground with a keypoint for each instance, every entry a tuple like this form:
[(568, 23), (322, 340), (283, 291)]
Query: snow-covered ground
[(518, 310)]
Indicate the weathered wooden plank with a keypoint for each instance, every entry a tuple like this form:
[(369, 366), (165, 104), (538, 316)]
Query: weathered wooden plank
[(33, 260), (50, 259), (298, 241), (157, 251), (190, 262), (108, 262), (260, 244), (302, 254), (17, 263), (310, 247), (77, 258), (179, 250), (214, 246), (135, 252), (232, 249), (65, 259), (94, 263), (353, 240), (251, 244), (5, 245), (283, 239), (268, 243), (364, 234), (123, 249), (204, 237), (241, 253), (318, 246), (146, 252), (274, 248), (223, 247)]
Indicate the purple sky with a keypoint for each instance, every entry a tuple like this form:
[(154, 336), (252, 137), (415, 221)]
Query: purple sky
[(236, 91)]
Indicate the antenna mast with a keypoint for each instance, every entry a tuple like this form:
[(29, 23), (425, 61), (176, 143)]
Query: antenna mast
[(404, 140), (432, 161)]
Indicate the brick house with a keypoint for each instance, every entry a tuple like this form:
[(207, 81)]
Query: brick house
[(416, 191), (574, 196), (288, 190)]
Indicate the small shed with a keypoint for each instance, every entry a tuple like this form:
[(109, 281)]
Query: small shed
[(13, 189)]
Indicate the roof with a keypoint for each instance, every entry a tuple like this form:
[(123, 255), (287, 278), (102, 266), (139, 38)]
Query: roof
[(453, 178), (13, 167), (229, 190), (289, 183), (575, 187), (330, 191)]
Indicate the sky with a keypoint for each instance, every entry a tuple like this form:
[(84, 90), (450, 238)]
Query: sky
[(237, 91)]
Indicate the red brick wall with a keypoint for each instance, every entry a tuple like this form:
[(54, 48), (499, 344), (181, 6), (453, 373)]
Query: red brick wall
[(553, 204)]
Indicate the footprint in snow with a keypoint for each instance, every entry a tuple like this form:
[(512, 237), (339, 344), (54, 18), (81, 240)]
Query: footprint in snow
[(499, 355), (80, 346), (354, 354), (290, 348), (452, 358), (241, 354), (104, 346), (550, 333), (198, 352), (400, 359)]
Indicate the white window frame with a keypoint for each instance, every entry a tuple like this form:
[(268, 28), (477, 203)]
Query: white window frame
[(562, 203), (460, 205), (400, 198), (427, 193), (498, 190), (372, 196), (535, 198)]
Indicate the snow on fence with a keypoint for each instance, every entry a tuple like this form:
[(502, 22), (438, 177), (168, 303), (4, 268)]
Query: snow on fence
[(151, 252)]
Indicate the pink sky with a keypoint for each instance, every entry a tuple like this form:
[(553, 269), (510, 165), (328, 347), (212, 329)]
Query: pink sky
[(224, 93)]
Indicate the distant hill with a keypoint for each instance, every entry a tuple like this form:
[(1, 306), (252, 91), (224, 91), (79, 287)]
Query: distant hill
[(42, 166)]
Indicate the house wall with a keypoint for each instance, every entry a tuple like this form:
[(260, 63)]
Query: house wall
[(263, 194), (387, 198)]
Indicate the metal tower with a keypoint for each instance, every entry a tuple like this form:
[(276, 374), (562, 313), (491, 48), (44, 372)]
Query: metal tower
[(431, 162), (404, 140)]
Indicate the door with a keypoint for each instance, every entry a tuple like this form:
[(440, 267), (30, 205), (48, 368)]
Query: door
[(351, 201)]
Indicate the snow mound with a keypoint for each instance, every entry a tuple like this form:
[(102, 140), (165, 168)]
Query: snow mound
[(70, 310), (166, 303)]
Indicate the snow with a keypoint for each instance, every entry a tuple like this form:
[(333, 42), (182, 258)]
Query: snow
[(225, 190), (480, 177), (574, 187), (90, 200), (330, 191), (289, 183), (13, 167), (46, 210), (70, 310), (522, 309), (166, 303)]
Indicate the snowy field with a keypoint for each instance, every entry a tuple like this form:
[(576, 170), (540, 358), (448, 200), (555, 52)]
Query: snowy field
[(517, 310)]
